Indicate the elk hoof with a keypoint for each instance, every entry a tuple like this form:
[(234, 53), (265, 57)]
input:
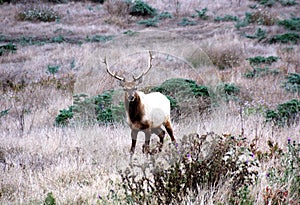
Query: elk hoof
[(146, 149)]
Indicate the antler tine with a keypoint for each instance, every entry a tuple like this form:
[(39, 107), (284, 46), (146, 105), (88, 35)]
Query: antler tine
[(149, 67), (110, 73)]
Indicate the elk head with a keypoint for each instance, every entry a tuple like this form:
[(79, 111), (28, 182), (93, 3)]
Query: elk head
[(130, 87)]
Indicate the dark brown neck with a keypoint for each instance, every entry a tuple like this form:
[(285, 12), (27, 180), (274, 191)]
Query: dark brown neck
[(134, 108)]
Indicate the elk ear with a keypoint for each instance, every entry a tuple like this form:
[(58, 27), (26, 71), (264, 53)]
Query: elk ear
[(139, 81), (122, 83)]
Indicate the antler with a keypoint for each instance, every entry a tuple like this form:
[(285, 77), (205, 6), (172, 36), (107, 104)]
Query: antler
[(149, 67), (110, 73)]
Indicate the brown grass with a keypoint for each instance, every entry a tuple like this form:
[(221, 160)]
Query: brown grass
[(77, 163)]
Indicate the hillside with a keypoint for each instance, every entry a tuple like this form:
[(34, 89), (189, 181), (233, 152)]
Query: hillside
[(244, 54)]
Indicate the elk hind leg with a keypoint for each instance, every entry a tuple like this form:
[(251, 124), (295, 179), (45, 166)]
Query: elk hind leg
[(168, 126), (161, 134)]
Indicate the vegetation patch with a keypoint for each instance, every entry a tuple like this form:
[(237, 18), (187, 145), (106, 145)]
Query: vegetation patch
[(141, 8), (229, 91), (8, 48), (260, 34), (226, 18), (289, 37), (202, 13), (197, 163), (292, 24), (150, 22), (259, 17), (286, 113), (100, 109), (260, 72), (257, 60), (187, 22), (43, 14), (292, 82)]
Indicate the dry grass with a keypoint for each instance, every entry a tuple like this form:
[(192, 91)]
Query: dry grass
[(77, 163)]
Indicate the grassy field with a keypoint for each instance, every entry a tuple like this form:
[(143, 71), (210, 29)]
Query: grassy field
[(53, 50)]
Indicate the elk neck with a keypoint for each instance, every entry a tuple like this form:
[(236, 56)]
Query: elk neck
[(134, 108)]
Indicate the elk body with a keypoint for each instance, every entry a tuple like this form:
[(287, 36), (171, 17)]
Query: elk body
[(145, 112)]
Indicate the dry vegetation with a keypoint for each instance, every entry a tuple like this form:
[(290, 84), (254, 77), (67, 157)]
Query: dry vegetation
[(43, 63)]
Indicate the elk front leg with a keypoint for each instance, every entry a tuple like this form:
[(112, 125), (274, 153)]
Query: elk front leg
[(146, 146), (133, 143)]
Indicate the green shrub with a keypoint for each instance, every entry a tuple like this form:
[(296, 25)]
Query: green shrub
[(164, 15), (140, 8), (202, 13), (97, 109), (187, 22), (8, 48), (260, 72), (285, 38), (53, 69), (150, 22), (292, 82), (49, 200), (229, 91), (45, 14), (257, 60), (227, 18), (185, 95), (182, 87), (288, 2), (292, 24), (268, 3), (106, 112), (286, 113), (4, 113), (99, 38), (64, 116), (260, 34)]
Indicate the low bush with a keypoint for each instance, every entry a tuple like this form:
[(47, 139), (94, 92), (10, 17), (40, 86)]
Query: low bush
[(258, 60), (226, 18), (292, 82), (260, 34), (187, 22), (97, 109), (260, 17), (289, 37), (150, 22), (292, 24), (184, 95), (229, 91), (288, 2), (8, 48), (260, 72), (202, 13), (285, 114), (141, 8)]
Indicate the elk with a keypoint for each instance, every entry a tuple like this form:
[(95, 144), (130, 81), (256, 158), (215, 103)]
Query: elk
[(145, 112)]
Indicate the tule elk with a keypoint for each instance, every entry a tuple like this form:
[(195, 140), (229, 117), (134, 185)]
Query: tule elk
[(145, 112)]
